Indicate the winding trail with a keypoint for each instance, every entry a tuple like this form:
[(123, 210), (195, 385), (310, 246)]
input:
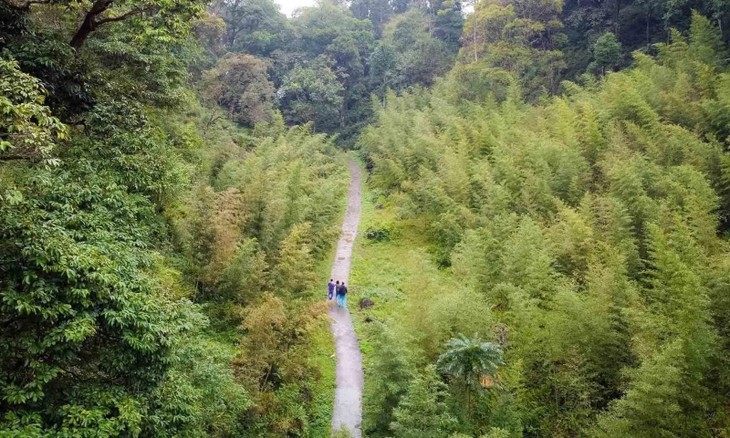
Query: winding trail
[(349, 377)]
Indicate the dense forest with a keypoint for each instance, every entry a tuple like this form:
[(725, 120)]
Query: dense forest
[(545, 250), (157, 251)]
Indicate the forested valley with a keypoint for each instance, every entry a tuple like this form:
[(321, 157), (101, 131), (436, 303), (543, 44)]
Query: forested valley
[(544, 248)]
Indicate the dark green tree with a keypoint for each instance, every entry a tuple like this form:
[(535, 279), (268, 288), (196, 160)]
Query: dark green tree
[(377, 11), (256, 27), (422, 411), (606, 53), (171, 16), (469, 359), (448, 23), (81, 327), (419, 55), (313, 94), (239, 84), (391, 373), (522, 38)]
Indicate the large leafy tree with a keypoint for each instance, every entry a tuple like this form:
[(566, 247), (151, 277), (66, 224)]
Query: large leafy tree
[(170, 15), (377, 11), (28, 128), (77, 314), (256, 27), (313, 94), (239, 84), (606, 53), (523, 38), (418, 55), (331, 31), (448, 22)]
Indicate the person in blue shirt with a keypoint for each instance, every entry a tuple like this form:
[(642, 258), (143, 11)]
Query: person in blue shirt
[(342, 295), (330, 289)]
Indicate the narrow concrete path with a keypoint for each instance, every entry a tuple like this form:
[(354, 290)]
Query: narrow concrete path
[(349, 377)]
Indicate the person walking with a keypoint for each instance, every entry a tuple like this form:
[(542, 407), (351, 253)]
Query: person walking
[(342, 295), (330, 289), (338, 289)]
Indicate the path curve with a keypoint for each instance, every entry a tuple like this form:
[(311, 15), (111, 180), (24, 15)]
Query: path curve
[(349, 377)]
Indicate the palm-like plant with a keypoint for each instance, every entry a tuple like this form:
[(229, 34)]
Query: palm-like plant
[(468, 359)]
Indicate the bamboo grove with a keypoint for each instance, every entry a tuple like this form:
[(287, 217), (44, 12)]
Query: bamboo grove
[(589, 231)]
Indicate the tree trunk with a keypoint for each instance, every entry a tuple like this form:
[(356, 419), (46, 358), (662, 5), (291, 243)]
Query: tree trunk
[(468, 404), (474, 41), (89, 24), (648, 39)]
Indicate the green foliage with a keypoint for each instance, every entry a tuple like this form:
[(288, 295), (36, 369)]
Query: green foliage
[(651, 406), (467, 359), (387, 381), (29, 129), (327, 60), (155, 279), (342, 433), (98, 348), (271, 215), (153, 201), (422, 411), (637, 25), (200, 399), (331, 38), (256, 27), (377, 11), (588, 226), (381, 232), (294, 269), (209, 30), (409, 53), (75, 286), (273, 367), (239, 84), (521, 38), (606, 53), (313, 94), (157, 20)]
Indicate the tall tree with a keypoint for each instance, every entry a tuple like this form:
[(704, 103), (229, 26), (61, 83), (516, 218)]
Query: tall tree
[(606, 54), (377, 11), (239, 84), (313, 94), (422, 411), (468, 360), (523, 38), (172, 16), (409, 53), (256, 27), (332, 32)]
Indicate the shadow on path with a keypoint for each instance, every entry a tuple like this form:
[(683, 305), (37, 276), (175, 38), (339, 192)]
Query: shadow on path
[(349, 377)]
